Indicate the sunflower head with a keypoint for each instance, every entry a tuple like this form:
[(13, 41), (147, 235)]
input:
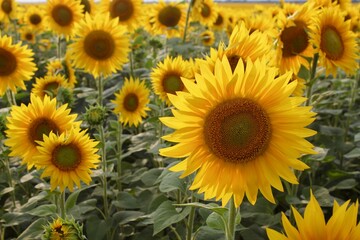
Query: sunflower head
[(49, 85), (60, 229), (95, 115), (8, 9), (207, 38), (34, 17)]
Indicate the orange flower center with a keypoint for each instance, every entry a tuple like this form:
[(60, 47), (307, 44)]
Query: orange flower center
[(99, 45), (169, 16), (331, 43), (131, 102), (62, 15)]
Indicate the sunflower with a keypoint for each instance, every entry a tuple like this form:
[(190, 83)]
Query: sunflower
[(293, 46), (206, 13), (62, 15), (67, 158), (27, 34), (16, 65), (240, 130), (88, 7), (101, 46), (34, 17), (166, 77), (207, 38), (28, 124), (131, 102), (263, 23), (63, 66), (221, 20), (128, 11), (7, 10), (335, 42), (168, 18), (61, 229), (49, 85), (341, 225)]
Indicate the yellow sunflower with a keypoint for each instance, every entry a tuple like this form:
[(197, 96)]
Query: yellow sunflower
[(28, 124), (102, 46), (240, 130), (7, 10), (67, 158), (168, 18), (27, 34), (166, 77), (131, 102), (207, 38), (64, 67), (128, 11), (335, 42), (16, 65), (341, 225), (206, 13), (49, 85), (62, 15), (89, 7), (221, 21), (34, 17), (263, 23), (61, 229), (293, 44)]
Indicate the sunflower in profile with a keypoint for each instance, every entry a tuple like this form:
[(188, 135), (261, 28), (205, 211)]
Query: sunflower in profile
[(168, 18), (342, 224), (89, 7), (34, 18), (27, 34), (206, 13), (240, 130), (294, 46), (166, 77), (49, 85), (16, 65), (335, 42), (61, 229), (62, 66), (101, 46), (207, 38), (7, 10), (62, 16), (128, 11), (28, 124), (131, 102), (67, 158)]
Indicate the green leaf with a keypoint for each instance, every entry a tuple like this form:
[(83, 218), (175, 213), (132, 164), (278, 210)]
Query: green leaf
[(96, 228), (345, 184), (27, 177), (72, 198), (171, 182), (207, 233), (15, 218), (43, 210), (166, 214), (34, 231), (216, 221), (124, 217), (149, 178), (331, 131), (126, 201), (6, 190), (357, 137), (355, 153), (211, 206)]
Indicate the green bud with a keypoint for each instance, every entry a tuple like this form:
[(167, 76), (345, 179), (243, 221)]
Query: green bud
[(95, 115), (63, 229)]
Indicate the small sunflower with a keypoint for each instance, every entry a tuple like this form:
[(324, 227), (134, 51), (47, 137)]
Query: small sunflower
[(240, 130), (34, 18), (335, 42), (342, 224), (207, 38), (128, 11), (168, 18), (7, 10), (206, 13), (131, 102), (61, 229), (49, 85), (64, 67), (16, 65), (28, 124), (166, 77), (102, 46), (27, 34), (67, 158), (221, 21), (62, 15)]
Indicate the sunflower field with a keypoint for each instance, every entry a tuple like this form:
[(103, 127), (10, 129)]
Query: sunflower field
[(179, 120)]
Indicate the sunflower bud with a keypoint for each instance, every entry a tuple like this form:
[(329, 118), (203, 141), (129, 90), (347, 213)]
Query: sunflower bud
[(95, 115), (63, 229)]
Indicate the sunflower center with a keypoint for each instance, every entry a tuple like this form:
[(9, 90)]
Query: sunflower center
[(295, 40), (6, 6), (62, 15), (219, 20), (131, 102), (66, 157), (29, 36), (123, 9), (172, 83), (35, 19), (99, 45), (169, 16), (8, 62), (87, 7), (51, 87), (39, 127), (237, 130), (205, 10), (206, 38), (331, 43), (59, 230)]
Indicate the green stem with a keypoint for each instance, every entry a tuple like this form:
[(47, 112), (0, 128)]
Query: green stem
[(231, 220), (187, 19), (7, 163), (100, 85), (62, 205), (178, 237), (131, 64), (161, 141), (59, 47), (104, 168), (190, 224), (312, 79), (351, 104), (119, 151), (11, 97)]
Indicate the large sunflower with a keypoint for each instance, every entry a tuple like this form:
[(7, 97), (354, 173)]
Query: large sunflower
[(166, 77), (168, 18), (102, 46), (16, 65), (49, 85), (206, 13), (239, 130), (341, 225), (34, 17), (7, 10), (293, 46), (128, 11), (131, 102), (28, 124), (62, 15), (335, 41), (67, 158)]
